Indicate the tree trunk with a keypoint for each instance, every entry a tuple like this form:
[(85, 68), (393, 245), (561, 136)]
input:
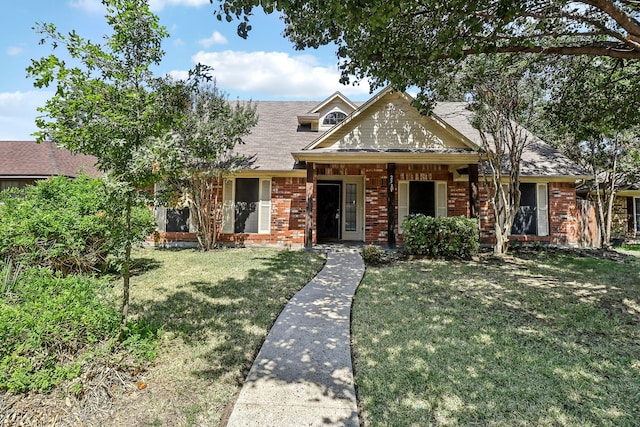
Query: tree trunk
[(126, 269)]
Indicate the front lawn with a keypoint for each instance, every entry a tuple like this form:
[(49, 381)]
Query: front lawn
[(543, 339), (215, 309), (212, 310)]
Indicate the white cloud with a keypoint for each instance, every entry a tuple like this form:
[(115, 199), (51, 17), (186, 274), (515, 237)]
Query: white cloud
[(216, 38), (178, 42), (18, 111), (89, 6), (275, 75), (14, 50), (158, 5)]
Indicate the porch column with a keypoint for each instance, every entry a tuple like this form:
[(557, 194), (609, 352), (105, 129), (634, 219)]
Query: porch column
[(308, 232), (391, 205), (474, 192)]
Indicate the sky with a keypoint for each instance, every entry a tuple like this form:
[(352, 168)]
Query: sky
[(263, 67)]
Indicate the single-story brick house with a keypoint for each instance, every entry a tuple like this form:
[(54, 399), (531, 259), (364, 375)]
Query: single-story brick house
[(338, 171), (24, 162), (627, 208)]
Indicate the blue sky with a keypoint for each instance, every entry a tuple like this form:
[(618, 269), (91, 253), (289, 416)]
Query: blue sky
[(263, 67)]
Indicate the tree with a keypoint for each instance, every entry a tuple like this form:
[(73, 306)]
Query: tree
[(201, 153), (593, 114), (110, 105), (407, 43), (504, 96)]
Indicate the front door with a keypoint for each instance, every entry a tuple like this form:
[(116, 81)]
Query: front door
[(328, 219)]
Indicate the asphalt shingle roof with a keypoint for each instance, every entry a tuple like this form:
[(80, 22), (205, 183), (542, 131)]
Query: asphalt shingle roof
[(30, 159), (276, 135), (538, 159)]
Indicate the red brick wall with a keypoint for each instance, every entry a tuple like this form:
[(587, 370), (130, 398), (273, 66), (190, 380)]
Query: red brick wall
[(288, 205), (564, 227)]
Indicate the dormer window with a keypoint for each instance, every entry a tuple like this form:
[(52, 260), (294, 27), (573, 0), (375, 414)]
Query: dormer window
[(334, 118)]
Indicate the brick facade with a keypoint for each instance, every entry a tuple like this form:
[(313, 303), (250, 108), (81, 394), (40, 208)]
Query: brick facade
[(288, 206)]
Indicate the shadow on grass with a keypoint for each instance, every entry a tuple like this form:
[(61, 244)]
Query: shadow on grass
[(143, 265), (545, 341), (229, 318)]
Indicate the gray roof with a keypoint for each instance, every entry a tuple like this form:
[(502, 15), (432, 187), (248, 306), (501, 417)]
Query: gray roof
[(277, 135), (538, 159)]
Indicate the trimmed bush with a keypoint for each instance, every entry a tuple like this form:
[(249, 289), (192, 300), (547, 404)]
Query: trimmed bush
[(67, 225), (373, 255), (444, 237)]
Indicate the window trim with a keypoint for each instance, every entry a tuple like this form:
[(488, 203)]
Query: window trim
[(636, 215), (229, 203), (334, 115), (541, 210)]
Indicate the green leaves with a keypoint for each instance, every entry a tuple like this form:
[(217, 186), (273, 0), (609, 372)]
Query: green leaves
[(67, 225), (407, 43)]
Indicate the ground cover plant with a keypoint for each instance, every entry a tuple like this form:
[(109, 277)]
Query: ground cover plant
[(545, 338), (54, 328), (213, 309)]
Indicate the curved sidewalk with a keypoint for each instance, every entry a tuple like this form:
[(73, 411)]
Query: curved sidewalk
[(302, 375)]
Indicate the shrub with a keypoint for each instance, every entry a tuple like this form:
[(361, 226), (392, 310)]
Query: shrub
[(66, 225), (447, 237), (54, 323), (373, 255), (52, 320)]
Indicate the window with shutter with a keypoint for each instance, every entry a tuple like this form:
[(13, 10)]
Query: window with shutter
[(543, 210), (421, 197), (228, 208), (264, 213)]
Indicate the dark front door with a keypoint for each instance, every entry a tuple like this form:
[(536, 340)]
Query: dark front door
[(328, 225)]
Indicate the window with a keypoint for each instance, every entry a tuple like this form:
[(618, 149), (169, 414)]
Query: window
[(246, 217), (178, 220), (247, 205), (424, 197), (173, 220), (350, 207), (334, 118), (532, 216)]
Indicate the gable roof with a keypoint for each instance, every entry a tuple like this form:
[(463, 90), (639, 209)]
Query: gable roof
[(386, 133), (277, 138), (334, 96), (29, 159)]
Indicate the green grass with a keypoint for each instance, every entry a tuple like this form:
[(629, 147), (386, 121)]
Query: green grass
[(551, 340), (215, 309), (635, 247)]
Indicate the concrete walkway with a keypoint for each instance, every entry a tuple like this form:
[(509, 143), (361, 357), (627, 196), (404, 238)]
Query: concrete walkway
[(302, 375)]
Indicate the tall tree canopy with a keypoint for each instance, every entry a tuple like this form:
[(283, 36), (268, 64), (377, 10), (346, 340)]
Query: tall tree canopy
[(374, 36), (593, 115)]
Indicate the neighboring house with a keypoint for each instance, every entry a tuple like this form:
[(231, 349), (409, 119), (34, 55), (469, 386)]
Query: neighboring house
[(24, 162), (338, 171), (627, 211)]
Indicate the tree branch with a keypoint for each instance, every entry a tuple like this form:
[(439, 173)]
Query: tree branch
[(622, 18)]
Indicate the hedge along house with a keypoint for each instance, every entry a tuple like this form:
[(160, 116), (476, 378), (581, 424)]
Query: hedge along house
[(337, 171)]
